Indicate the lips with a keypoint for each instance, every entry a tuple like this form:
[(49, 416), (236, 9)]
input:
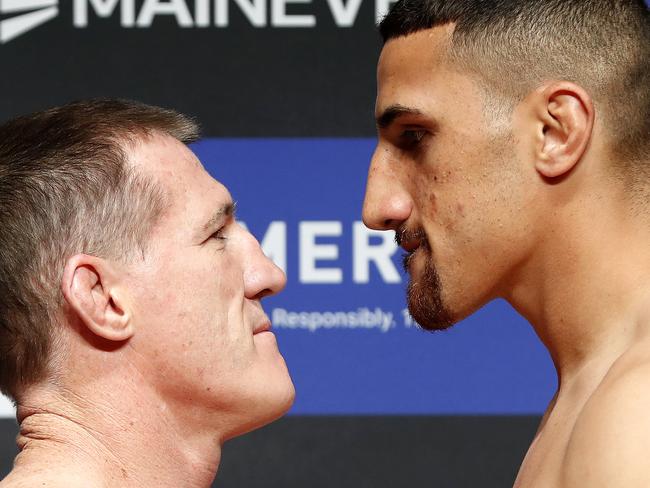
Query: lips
[(409, 240), (411, 245), (263, 327)]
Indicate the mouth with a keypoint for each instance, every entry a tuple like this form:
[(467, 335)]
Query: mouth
[(411, 245), (263, 327), (410, 240)]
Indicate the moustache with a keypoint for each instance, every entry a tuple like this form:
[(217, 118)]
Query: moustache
[(402, 234)]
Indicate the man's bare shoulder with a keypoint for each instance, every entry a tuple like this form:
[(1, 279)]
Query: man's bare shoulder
[(610, 441)]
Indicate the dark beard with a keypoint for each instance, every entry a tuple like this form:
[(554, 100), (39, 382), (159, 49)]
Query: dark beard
[(424, 296)]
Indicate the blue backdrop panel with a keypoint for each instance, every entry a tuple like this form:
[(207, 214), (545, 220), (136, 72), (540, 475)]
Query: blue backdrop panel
[(349, 345)]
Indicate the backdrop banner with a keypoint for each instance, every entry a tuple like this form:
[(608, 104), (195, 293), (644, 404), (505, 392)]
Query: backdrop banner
[(342, 325), (284, 91)]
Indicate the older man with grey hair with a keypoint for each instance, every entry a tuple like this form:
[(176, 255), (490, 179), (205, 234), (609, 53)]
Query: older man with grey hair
[(132, 337)]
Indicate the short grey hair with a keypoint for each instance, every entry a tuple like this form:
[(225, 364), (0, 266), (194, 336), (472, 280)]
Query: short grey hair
[(66, 188)]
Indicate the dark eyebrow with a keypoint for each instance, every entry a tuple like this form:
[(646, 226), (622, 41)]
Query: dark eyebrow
[(389, 115), (226, 210)]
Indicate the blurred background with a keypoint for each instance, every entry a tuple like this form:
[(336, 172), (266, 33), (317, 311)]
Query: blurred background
[(284, 91)]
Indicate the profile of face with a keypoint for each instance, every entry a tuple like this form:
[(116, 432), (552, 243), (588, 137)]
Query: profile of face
[(201, 335), (445, 176)]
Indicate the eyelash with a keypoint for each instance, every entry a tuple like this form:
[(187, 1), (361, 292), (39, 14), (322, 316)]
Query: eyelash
[(411, 139), (219, 235)]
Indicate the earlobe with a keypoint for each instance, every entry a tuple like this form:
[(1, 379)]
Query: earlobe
[(88, 288), (566, 118)]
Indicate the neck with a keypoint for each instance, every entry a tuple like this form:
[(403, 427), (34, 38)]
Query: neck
[(587, 291), (114, 441)]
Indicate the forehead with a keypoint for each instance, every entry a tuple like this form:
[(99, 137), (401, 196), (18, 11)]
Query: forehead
[(409, 66), (416, 71), (191, 190)]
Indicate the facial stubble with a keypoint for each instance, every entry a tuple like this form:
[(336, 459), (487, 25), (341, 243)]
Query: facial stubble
[(424, 294)]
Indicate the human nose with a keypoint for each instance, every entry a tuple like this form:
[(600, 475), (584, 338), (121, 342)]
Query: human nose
[(261, 276), (386, 204)]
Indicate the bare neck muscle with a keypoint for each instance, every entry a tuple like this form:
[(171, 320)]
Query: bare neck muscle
[(588, 292), (81, 443), (588, 298)]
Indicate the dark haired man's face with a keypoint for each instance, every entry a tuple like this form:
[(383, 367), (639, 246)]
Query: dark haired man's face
[(445, 178)]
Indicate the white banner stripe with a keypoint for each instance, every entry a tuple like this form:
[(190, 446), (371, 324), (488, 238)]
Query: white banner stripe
[(16, 26), (11, 6), (7, 410)]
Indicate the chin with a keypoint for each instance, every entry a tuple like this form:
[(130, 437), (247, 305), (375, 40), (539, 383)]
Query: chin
[(280, 395), (431, 320), (283, 402), (434, 309), (425, 297), (265, 403)]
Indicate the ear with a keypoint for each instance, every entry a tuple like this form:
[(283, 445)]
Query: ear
[(565, 115), (88, 287)]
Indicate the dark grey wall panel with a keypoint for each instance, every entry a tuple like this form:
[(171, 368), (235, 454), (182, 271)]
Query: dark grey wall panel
[(379, 452), (8, 432), (367, 452), (239, 80)]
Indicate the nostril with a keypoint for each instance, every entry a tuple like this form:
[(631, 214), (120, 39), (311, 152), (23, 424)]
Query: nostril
[(264, 293), (391, 224)]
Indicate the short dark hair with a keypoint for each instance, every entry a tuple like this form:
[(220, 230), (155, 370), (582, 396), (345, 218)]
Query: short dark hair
[(513, 45), (66, 187)]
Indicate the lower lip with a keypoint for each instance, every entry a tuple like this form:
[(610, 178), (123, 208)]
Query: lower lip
[(263, 332), (412, 250)]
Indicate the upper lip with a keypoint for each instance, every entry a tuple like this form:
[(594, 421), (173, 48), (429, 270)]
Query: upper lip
[(410, 245), (409, 240), (263, 327)]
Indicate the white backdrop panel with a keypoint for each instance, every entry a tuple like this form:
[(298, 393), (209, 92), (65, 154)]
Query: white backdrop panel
[(6, 408)]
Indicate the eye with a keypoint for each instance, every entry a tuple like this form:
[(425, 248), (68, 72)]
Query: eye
[(411, 138), (219, 235)]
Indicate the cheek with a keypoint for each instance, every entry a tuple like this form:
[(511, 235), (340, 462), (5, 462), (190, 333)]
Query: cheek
[(443, 199), (174, 297), (460, 210), (424, 185)]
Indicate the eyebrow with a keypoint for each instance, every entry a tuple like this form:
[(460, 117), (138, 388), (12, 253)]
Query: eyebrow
[(224, 211), (391, 113)]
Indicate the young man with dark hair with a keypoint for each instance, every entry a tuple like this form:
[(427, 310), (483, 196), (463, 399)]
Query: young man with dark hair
[(513, 161), (132, 338)]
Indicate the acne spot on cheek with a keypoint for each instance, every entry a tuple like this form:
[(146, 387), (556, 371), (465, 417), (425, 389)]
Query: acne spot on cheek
[(460, 208), (432, 202)]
